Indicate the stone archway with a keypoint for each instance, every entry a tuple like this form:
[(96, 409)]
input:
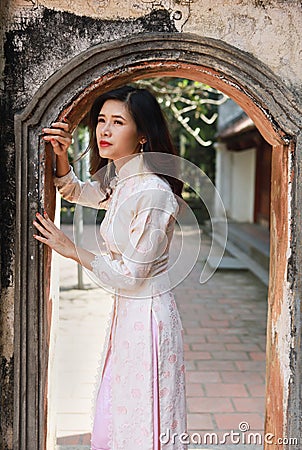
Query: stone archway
[(70, 92)]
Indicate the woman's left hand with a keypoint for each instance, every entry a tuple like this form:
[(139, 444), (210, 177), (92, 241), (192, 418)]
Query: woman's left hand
[(53, 237)]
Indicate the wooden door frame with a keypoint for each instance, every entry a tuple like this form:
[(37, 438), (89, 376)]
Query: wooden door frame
[(70, 93)]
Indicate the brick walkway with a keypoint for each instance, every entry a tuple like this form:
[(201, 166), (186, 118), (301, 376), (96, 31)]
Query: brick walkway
[(225, 324), (225, 327)]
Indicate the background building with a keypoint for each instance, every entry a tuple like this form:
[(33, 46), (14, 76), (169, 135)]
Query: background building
[(243, 167)]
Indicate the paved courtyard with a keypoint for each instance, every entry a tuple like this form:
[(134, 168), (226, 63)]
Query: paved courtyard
[(225, 327)]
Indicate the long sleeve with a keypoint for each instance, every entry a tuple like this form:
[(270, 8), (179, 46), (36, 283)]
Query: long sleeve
[(84, 193), (151, 222)]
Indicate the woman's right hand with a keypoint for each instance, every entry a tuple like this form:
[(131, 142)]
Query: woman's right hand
[(59, 137)]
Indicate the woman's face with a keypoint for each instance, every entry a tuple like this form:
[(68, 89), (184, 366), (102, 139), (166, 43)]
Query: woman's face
[(116, 131)]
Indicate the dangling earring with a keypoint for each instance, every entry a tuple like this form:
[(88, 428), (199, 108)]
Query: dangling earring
[(141, 162)]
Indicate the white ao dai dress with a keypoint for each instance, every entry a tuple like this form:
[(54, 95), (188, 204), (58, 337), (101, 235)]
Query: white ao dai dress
[(137, 230)]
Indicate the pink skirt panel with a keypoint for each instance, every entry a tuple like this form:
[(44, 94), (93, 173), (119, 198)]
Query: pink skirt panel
[(103, 415)]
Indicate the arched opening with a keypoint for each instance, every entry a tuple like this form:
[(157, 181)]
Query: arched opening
[(70, 93)]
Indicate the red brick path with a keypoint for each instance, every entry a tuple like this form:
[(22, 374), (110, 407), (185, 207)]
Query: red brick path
[(225, 330)]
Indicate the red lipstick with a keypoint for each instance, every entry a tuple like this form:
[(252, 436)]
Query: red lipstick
[(104, 143)]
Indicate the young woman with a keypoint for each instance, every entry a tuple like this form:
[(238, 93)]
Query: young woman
[(142, 380)]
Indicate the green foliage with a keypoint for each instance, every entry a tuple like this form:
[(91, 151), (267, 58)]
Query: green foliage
[(191, 108)]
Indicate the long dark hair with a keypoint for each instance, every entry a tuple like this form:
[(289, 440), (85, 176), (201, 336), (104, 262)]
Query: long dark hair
[(150, 122)]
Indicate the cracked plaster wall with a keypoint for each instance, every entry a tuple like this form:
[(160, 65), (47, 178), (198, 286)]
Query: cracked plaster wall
[(268, 29)]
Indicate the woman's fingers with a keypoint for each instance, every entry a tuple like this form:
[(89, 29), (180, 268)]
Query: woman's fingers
[(65, 125), (58, 135), (56, 131), (61, 139), (48, 230), (46, 226), (49, 224), (53, 236), (42, 230), (59, 125), (59, 144), (46, 222), (40, 238)]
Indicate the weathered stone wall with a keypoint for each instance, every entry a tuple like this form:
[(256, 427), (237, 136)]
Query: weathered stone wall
[(270, 30), (39, 37)]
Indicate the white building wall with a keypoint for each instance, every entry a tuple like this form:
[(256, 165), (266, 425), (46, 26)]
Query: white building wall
[(243, 185), (235, 182), (222, 179)]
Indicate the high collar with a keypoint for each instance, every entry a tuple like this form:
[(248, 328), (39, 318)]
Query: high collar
[(133, 166)]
